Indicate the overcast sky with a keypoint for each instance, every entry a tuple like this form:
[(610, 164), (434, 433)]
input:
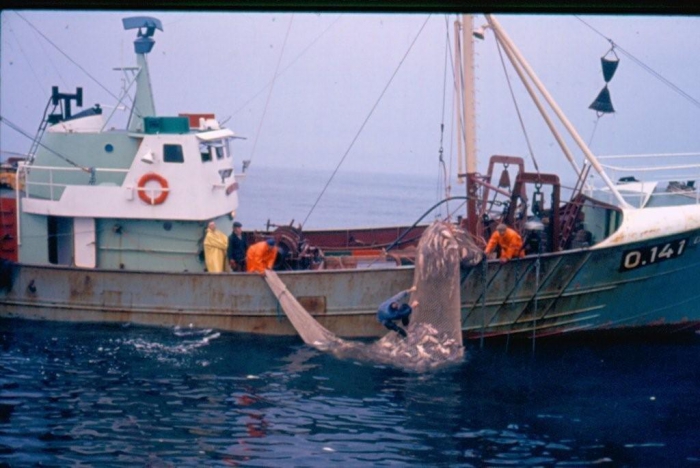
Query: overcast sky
[(333, 69)]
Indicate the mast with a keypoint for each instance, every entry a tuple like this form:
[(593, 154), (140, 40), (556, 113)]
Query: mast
[(468, 129), (457, 101), (144, 105)]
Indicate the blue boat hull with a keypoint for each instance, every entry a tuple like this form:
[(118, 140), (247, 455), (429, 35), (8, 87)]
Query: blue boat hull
[(615, 288)]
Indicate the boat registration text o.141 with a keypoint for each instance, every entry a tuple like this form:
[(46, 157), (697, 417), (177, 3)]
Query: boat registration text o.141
[(651, 254)]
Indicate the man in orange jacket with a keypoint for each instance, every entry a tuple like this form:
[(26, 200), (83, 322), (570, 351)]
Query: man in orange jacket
[(510, 242), (261, 256)]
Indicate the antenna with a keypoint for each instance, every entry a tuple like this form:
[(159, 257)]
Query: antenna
[(65, 99), (144, 41), (143, 105)]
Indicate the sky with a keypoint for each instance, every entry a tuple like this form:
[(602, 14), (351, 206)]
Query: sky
[(370, 90)]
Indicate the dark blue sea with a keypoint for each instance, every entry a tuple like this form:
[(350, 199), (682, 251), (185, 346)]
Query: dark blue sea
[(100, 395), (120, 395)]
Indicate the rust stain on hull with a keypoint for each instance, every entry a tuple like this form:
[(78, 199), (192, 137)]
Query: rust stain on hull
[(315, 305)]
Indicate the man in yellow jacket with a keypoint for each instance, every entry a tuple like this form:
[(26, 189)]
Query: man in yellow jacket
[(261, 256), (215, 245), (508, 240)]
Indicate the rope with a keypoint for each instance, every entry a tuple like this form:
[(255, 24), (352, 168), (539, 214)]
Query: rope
[(452, 110), (68, 57), (287, 67), (371, 112), (517, 109), (110, 93), (441, 160), (269, 94), (398, 239), (645, 67), (29, 62), (595, 127), (25, 134), (403, 234)]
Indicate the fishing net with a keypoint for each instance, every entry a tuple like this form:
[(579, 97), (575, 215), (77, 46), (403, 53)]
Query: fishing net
[(312, 332), (434, 335)]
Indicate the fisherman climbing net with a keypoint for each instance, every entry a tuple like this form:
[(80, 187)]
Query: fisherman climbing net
[(434, 333)]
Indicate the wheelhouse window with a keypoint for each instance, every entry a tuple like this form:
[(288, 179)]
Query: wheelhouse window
[(205, 151), (216, 148), (219, 149), (173, 154)]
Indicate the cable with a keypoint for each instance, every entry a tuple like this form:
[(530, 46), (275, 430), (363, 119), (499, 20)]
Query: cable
[(595, 127), (357, 135), (269, 95), (645, 67), (402, 235), (441, 160), (68, 57), (517, 109), (413, 226), (289, 65), (22, 132)]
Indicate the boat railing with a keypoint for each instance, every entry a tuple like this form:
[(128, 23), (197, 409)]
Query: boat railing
[(654, 179), (49, 182)]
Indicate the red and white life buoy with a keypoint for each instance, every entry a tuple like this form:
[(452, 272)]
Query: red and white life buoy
[(144, 196)]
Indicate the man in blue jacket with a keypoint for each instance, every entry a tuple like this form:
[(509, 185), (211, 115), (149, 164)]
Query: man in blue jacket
[(236, 248), (393, 309)]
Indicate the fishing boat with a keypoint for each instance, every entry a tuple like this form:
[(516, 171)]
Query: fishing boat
[(108, 226)]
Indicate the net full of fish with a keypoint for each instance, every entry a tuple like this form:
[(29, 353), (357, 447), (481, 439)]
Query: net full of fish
[(422, 350), (434, 334)]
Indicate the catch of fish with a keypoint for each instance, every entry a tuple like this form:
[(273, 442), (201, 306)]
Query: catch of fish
[(434, 335), (422, 350)]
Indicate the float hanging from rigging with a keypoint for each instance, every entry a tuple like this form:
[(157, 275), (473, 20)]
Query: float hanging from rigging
[(603, 103)]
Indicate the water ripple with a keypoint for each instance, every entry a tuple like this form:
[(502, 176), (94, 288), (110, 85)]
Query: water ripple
[(77, 395)]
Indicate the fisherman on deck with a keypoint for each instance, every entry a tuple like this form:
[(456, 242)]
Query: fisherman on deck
[(261, 256), (215, 245), (393, 309), (509, 241), (236, 248)]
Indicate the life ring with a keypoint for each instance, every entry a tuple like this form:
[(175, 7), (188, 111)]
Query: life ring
[(152, 176)]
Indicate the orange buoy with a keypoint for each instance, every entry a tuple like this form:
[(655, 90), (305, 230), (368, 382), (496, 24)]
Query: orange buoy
[(152, 176)]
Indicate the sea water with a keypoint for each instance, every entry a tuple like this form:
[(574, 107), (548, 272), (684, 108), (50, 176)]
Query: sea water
[(121, 395), (317, 199), (126, 395)]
